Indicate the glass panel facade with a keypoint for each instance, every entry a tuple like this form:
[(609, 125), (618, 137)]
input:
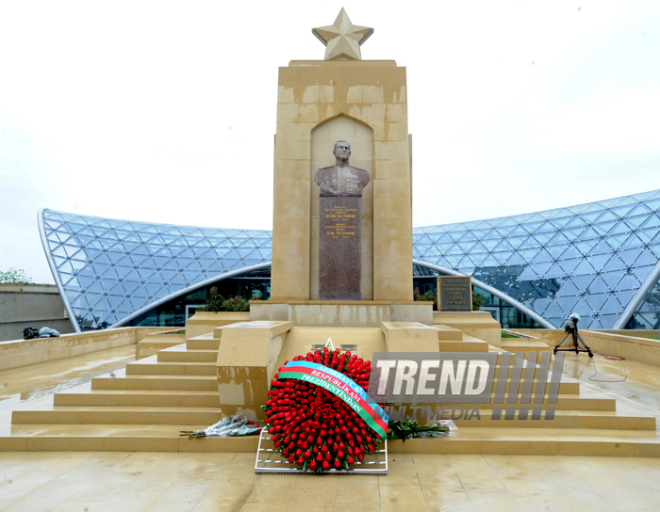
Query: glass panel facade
[(425, 279), (172, 313), (109, 268), (647, 315), (589, 259)]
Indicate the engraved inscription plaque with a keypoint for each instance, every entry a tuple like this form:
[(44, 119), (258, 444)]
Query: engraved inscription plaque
[(340, 227), (455, 293), (340, 248)]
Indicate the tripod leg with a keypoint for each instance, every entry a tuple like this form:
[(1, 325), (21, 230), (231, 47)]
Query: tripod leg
[(560, 344), (585, 346)]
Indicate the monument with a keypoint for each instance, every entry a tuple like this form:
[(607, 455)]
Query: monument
[(340, 226), (364, 102)]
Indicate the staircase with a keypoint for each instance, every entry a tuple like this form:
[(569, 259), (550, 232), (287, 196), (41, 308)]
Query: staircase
[(146, 406)]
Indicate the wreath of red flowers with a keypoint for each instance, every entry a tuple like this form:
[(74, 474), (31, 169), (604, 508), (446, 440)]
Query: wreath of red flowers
[(314, 428)]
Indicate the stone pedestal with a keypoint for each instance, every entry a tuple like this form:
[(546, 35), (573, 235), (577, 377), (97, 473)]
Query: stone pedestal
[(246, 363), (317, 313), (365, 103), (410, 337), (479, 324), (340, 248)]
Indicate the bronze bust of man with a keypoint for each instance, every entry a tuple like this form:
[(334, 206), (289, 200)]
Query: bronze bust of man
[(341, 180)]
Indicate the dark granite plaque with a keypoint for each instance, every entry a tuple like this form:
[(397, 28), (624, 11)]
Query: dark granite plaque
[(455, 293), (340, 248)]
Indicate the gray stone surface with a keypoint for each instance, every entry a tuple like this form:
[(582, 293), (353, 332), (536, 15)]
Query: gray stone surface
[(31, 305), (340, 248), (455, 293)]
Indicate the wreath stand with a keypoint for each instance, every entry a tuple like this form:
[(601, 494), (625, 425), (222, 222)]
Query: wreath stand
[(270, 460)]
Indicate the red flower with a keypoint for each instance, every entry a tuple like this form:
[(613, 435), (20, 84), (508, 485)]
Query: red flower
[(309, 423)]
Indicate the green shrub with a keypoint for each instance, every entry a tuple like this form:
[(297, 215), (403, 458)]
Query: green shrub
[(14, 276), (217, 302), (428, 296)]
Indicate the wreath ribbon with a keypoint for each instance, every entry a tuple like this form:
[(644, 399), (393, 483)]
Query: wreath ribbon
[(342, 386)]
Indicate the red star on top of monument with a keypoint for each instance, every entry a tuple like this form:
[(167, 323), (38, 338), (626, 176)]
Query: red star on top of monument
[(342, 39)]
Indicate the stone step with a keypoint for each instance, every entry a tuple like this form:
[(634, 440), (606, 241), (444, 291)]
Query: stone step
[(148, 348), (562, 419), (157, 382), (201, 343), (446, 333), (119, 415), (566, 402), (465, 345), (524, 345), (160, 368), (566, 387), (526, 369), (538, 441), (526, 355), (139, 398), (181, 355), (468, 440)]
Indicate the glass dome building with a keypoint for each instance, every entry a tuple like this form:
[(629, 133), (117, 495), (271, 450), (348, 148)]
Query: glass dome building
[(600, 260)]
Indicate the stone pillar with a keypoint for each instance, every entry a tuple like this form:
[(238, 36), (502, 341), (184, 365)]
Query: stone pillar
[(373, 93), (410, 337), (246, 364)]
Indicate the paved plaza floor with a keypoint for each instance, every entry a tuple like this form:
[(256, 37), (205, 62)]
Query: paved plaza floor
[(213, 482), (179, 482)]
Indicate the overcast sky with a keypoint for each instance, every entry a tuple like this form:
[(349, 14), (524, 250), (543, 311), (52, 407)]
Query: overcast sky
[(165, 112)]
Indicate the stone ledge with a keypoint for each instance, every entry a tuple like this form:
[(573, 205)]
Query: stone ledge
[(408, 331), (342, 314), (254, 329), (343, 302), (344, 63)]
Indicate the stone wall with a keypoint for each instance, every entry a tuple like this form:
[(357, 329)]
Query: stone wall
[(14, 354), (31, 305)]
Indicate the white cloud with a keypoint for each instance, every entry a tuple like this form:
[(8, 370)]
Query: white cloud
[(165, 112)]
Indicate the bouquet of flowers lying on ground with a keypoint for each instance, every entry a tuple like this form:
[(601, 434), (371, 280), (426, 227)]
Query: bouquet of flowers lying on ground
[(314, 428), (237, 425), (409, 429)]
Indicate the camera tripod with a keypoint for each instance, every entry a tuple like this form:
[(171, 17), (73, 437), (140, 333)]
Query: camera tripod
[(576, 348)]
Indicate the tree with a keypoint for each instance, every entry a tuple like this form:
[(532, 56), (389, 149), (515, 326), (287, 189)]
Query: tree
[(14, 276), (477, 301)]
